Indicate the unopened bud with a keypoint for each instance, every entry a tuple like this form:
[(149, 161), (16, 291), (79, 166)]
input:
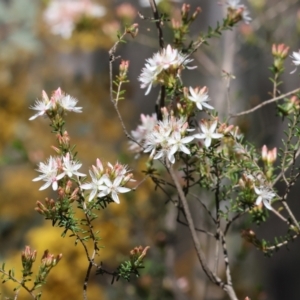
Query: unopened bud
[(58, 151), (28, 255), (68, 187), (196, 13), (268, 156), (264, 153), (41, 212), (248, 234), (280, 51), (185, 92), (242, 183), (272, 155), (56, 259), (133, 30), (124, 68), (74, 195), (295, 102), (185, 9), (175, 24)]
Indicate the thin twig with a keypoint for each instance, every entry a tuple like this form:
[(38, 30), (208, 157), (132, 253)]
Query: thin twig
[(226, 258), (91, 259), (265, 103), (21, 283), (286, 206), (280, 216), (218, 221), (205, 207), (212, 276), (229, 223), (282, 243), (112, 58), (196, 228), (157, 23), (160, 102), (287, 167)]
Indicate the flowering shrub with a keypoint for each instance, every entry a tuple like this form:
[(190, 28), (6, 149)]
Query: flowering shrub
[(198, 150)]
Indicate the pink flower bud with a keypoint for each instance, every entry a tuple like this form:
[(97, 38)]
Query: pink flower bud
[(196, 13), (272, 155), (175, 24), (185, 9), (264, 153)]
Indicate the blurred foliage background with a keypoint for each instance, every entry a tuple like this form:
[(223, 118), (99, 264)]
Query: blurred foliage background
[(35, 57)]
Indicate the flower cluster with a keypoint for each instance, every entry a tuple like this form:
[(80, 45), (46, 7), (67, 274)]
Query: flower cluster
[(142, 131), (264, 194), (108, 181), (55, 169), (62, 15), (168, 137), (163, 67), (58, 102), (268, 156)]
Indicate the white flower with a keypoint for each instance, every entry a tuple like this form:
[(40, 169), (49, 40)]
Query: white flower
[(156, 68), (62, 15), (112, 188), (156, 139), (69, 103), (167, 138), (41, 106), (49, 172), (101, 184), (177, 144), (246, 15), (139, 135), (265, 195), (296, 60), (208, 133), (167, 58), (70, 167), (200, 97), (57, 100), (235, 5), (147, 78), (93, 185)]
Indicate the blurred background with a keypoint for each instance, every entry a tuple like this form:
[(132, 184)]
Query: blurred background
[(49, 44)]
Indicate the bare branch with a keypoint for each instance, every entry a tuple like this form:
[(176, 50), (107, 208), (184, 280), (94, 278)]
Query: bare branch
[(212, 276), (265, 103), (157, 23)]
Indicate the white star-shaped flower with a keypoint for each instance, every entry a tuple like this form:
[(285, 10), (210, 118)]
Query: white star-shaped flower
[(235, 4), (93, 185), (70, 167), (265, 195), (69, 103), (208, 133), (177, 143), (296, 60), (113, 188), (167, 59), (200, 97), (41, 106), (49, 174)]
